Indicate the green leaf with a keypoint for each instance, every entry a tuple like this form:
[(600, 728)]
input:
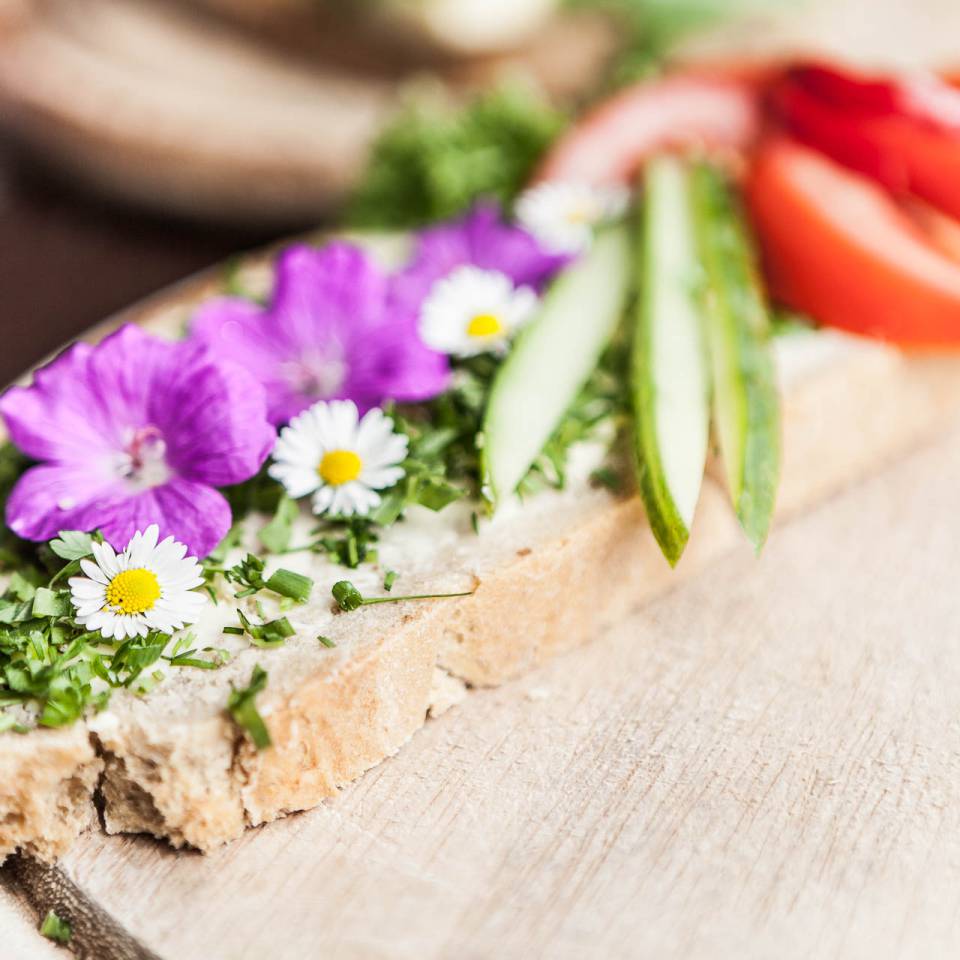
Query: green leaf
[(72, 545), (241, 704), (23, 584), (14, 611), (435, 494), (275, 536), (51, 603)]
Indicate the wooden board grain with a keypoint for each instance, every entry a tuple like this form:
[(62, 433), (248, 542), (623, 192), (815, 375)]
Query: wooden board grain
[(764, 763), (19, 939)]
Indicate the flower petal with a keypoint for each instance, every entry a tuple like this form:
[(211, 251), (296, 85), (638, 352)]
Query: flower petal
[(213, 417), (54, 497)]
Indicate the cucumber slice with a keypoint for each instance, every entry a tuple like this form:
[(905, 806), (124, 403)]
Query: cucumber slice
[(669, 377), (551, 361), (745, 403)]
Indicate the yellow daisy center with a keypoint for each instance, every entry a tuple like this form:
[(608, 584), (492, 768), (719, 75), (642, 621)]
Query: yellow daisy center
[(583, 213), (484, 325), (339, 467), (133, 591)]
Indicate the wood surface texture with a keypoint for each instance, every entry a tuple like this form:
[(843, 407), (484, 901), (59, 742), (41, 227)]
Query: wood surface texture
[(763, 763)]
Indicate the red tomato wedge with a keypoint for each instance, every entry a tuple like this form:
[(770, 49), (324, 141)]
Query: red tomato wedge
[(942, 231), (922, 97), (710, 108), (837, 247), (905, 134)]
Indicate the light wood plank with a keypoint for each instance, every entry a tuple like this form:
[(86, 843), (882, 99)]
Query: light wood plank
[(19, 939), (763, 763)]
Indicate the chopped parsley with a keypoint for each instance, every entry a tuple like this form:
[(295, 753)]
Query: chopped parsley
[(433, 162)]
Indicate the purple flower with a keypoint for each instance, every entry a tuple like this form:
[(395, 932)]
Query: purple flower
[(481, 239), (132, 432), (328, 334)]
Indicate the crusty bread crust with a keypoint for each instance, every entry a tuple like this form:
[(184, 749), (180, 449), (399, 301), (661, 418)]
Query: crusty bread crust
[(540, 591)]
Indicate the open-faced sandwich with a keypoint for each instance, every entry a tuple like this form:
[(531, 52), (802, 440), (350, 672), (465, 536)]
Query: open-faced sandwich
[(263, 527)]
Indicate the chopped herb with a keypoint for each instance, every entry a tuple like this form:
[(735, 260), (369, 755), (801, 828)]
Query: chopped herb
[(56, 929), (51, 603), (389, 580), (431, 164), (607, 477), (286, 583), (274, 633), (326, 641), (242, 706), (248, 575), (349, 598), (275, 536)]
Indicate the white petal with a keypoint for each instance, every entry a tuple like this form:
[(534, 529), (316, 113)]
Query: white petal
[(106, 559), (93, 571)]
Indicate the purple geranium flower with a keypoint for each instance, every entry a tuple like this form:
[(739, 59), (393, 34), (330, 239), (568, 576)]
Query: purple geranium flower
[(131, 432), (327, 335), (480, 239)]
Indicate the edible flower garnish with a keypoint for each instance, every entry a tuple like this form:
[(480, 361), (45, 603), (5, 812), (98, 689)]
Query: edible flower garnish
[(563, 215), (149, 586), (342, 460), (328, 333), (474, 311), (480, 239), (131, 432)]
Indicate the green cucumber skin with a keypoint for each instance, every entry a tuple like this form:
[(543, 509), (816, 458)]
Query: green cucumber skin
[(666, 521), (612, 246), (739, 336)]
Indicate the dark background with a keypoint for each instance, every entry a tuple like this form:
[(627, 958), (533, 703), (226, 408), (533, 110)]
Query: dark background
[(68, 260)]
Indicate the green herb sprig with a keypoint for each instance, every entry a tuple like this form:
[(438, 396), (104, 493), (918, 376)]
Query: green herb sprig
[(349, 598)]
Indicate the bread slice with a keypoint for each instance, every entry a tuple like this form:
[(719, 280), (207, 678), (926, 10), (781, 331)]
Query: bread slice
[(548, 575)]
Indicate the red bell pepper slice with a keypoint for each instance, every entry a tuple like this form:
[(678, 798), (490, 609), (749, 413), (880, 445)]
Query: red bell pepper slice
[(839, 248), (717, 108)]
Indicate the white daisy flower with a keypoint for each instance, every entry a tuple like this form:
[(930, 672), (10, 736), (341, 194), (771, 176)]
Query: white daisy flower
[(342, 460), (474, 311), (563, 214), (149, 586)]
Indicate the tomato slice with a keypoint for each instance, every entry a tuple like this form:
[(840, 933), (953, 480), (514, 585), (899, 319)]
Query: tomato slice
[(923, 97), (941, 230), (838, 248), (709, 108), (904, 134)]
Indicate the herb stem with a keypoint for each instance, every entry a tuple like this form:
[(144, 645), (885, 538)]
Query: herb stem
[(417, 596), (348, 597)]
